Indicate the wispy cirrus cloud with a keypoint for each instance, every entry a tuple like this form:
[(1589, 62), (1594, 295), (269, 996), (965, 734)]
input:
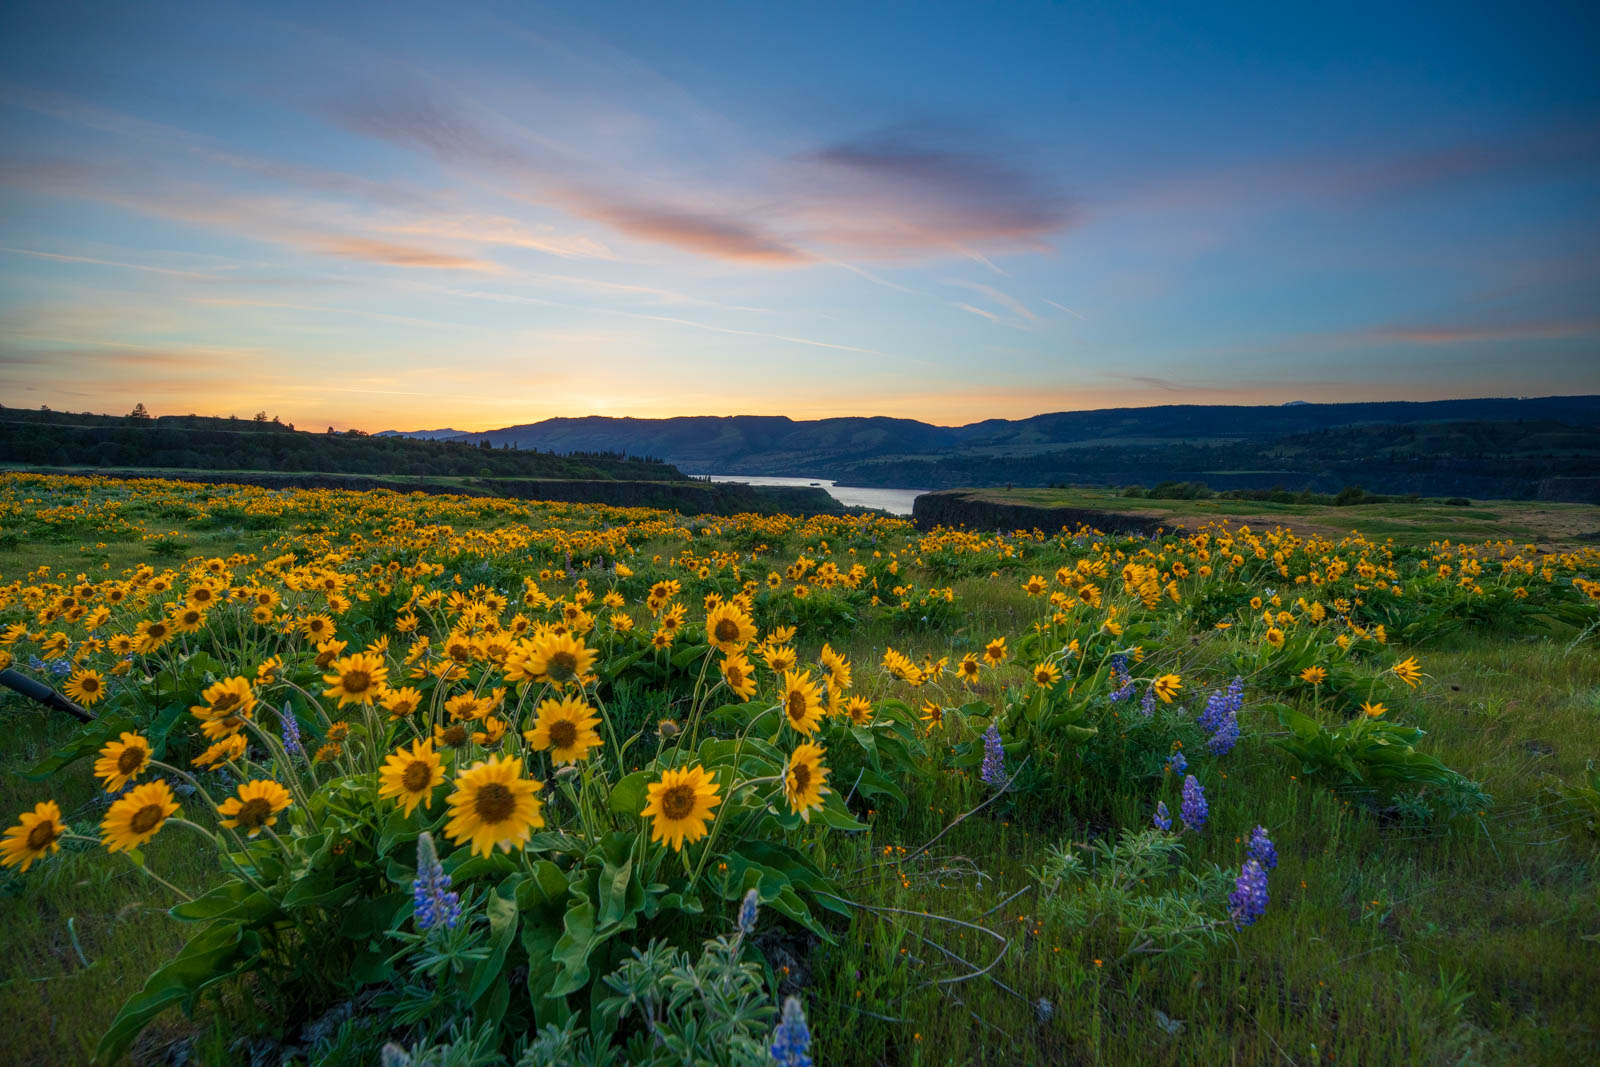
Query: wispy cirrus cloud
[(894, 194)]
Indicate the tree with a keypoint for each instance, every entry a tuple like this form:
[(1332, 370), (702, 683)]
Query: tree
[(139, 412), (260, 416)]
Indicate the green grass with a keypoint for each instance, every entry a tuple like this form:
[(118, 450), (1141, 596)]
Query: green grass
[(84, 930), (1383, 943)]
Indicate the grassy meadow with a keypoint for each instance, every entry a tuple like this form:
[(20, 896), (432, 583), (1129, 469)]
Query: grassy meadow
[(1415, 725)]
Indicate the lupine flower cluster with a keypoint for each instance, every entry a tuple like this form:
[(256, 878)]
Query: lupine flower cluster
[(435, 904), (1177, 763), (1248, 901), (1220, 718), (994, 757), (1147, 706), (748, 910), (1123, 693), (791, 1041), (1261, 848), (291, 733), (1162, 818), (1195, 809)]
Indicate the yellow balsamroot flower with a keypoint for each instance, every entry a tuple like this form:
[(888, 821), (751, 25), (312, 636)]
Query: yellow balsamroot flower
[(837, 666), (1046, 675), (1373, 711), (357, 679), (226, 750), (493, 731), (188, 620), (410, 776), (680, 805), (1167, 686), (739, 676), (566, 728), (268, 670), (1274, 637), (968, 669), (152, 634), (779, 658), (122, 761), (728, 628), (1408, 671), (859, 709), (37, 834), (994, 653), (87, 687), (802, 702), (227, 704), (254, 806), (401, 702), (135, 818), (316, 627), (327, 652), (556, 658), (1314, 675), (805, 779), (493, 804), (1035, 586)]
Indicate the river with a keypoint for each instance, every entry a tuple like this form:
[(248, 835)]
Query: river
[(894, 501)]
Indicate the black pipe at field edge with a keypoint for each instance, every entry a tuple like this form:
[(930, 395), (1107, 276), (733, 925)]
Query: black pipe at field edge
[(42, 693)]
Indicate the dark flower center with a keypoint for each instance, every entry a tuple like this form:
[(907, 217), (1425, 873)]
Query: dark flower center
[(455, 736), (43, 835), (416, 776), (563, 734), (677, 802), (494, 803), (357, 681), (801, 773), (727, 630), (147, 818), (254, 813), (563, 666), (224, 702), (131, 760), (797, 706)]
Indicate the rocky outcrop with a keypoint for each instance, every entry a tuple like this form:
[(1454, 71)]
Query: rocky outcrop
[(970, 508)]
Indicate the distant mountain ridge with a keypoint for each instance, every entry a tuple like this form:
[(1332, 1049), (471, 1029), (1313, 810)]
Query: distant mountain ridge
[(1226, 445), (445, 434)]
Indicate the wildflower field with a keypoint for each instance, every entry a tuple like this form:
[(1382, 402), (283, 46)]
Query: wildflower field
[(452, 780)]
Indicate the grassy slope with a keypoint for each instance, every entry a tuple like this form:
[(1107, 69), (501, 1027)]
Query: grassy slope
[(1523, 521), (1400, 946)]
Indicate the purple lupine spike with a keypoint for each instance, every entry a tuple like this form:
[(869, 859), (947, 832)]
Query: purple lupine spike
[(1194, 809), (994, 757), (1248, 901), (430, 891), (1261, 849)]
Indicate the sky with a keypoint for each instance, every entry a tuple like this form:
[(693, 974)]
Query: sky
[(477, 214)]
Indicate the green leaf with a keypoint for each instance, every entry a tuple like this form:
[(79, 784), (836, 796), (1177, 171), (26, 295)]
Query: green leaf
[(571, 952), (231, 900), (503, 917), (628, 795), (218, 952)]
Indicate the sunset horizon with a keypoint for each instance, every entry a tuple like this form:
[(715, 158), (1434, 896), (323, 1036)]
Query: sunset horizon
[(409, 215)]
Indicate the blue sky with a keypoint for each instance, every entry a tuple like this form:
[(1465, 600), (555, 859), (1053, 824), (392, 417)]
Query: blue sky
[(407, 215)]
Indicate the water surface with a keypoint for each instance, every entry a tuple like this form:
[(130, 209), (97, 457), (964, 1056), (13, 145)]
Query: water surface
[(894, 501)]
